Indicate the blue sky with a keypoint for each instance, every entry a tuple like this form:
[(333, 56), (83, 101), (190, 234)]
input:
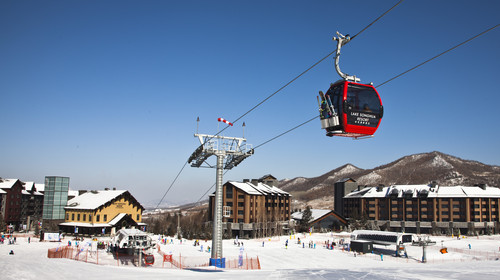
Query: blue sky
[(108, 92)]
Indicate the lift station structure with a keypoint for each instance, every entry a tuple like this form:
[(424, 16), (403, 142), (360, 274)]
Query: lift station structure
[(230, 151)]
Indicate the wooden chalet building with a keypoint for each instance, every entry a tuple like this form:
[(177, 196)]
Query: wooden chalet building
[(323, 220), (102, 212)]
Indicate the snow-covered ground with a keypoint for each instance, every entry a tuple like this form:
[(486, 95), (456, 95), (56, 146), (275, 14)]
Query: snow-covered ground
[(277, 262)]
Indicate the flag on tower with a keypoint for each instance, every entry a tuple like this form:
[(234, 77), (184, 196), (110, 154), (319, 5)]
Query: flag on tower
[(224, 121)]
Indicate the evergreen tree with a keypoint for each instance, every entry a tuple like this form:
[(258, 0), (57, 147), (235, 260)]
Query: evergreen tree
[(305, 220)]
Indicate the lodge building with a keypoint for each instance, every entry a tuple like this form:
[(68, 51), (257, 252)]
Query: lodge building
[(426, 208), (251, 204)]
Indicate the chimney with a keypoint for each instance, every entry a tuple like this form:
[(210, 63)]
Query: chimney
[(114, 189), (106, 189), (246, 180), (255, 182), (482, 186), (80, 192)]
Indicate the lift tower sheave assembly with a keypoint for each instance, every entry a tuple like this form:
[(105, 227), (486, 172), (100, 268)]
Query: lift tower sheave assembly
[(230, 151)]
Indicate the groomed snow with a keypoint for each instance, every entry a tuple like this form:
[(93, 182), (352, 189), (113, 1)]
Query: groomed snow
[(30, 261)]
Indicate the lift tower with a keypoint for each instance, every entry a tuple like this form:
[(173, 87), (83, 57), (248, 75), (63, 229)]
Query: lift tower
[(230, 151)]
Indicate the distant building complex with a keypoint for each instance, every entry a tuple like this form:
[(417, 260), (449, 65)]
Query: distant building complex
[(422, 208), (53, 207)]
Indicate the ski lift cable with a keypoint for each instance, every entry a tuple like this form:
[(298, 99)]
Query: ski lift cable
[(304, 72), (213, 185), (290, 130), (178, 174), (277, 91), (464, 42), (376, 19), (430, 59), (278, 136)]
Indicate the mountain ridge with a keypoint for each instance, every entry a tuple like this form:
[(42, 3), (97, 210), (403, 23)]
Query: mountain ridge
[(421, 168)]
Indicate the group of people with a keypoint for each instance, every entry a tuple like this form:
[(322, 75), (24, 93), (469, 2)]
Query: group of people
[(238, 243), (10, 239)]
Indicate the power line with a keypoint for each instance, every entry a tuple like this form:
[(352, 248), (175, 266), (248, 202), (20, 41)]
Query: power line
[(448, 50)]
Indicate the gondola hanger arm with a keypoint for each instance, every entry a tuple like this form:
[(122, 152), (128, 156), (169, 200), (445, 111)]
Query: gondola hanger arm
[(341, 41)]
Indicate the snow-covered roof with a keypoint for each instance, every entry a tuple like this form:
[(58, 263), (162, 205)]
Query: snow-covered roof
[(415, 191), (117, 219), (131, 231), (246, 187), (80, 224), (8, 183), (72, 193), (40, 187), (28, 185), (259, 189), (315, 214), (93, 199), (2, 191)]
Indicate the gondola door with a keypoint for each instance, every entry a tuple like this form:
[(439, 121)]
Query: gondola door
[(362, 109)]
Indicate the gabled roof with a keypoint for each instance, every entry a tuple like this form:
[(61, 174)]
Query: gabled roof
[(8, 183), (94, 199), (343, 180), (319, 214), (28, 185), (117, 218), (40, 187), (266, 177), (259, 189)]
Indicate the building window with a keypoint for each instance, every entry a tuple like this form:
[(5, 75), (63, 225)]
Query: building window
[(73, 216), (90, 218), (84, 217), (78, 217), (138, 217), (67, 216), (97, 218), (229, 192), (105, 218)]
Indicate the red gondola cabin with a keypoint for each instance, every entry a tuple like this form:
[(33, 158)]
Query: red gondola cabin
[(350, 109)]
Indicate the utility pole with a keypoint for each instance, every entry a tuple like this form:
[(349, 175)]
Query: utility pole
[(230, 151)]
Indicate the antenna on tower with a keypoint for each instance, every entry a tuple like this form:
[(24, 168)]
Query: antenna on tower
[(243, 129), (197, 124)]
